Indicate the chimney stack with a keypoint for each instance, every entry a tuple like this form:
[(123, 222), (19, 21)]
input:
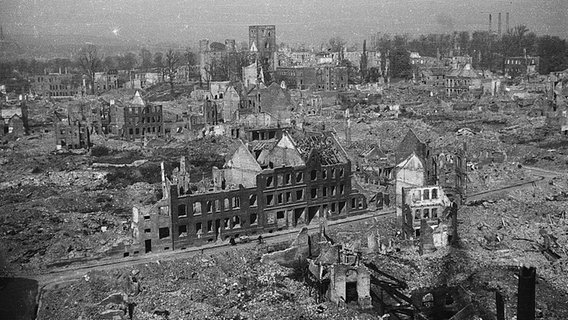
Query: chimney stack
[(490, 23), (526, 294), (507, 22), (499, 25)]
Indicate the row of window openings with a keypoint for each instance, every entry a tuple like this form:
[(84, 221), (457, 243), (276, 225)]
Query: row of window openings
[(132, 131), (417, 195), (215, 205), (227, 224), (136, 120), (286, 197), (145, 110), (426, 213), (286, 179)]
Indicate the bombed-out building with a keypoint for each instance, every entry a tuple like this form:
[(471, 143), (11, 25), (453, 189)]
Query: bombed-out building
[(286, 184), (136, 119)]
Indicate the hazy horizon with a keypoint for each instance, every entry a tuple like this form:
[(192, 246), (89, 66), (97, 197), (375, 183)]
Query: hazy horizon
[(297, 21)]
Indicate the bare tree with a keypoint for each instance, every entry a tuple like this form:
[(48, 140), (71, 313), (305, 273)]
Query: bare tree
[(189, 57), (90, 61), (172, 60), (336, 44)]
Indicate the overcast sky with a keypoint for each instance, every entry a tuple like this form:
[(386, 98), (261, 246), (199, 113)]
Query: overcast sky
[(309, 21)]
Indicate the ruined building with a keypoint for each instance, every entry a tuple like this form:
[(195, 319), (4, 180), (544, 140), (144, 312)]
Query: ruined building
[(521, 66), (287, 184), (71, 132), (429, 186), (212, 56), (322, 77), (136, 119), (424, 203), (262, 43)]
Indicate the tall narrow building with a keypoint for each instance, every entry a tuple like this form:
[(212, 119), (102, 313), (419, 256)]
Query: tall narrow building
[(262, 42)]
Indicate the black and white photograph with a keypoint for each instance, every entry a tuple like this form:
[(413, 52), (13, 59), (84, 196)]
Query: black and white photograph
[(283, 160)]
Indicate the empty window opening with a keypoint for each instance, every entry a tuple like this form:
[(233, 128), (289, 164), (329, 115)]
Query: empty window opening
[(300, 177), (280, 215), (197, 208), (226, 223), (236, 222), (333, 190), (353, 203), (288, 178), (147, 230), (236, 202), (341, 189), (299, 194), (312, 213), (252, 200), (269, 199), (146, 218), (434, 193), (164, 232), (209, 226), (280, 198), (342, 207), (288, 197), (434, 213), (341, 172), (333, 207), (417, 213), (253, 219), (298, 214), (313, 175), (269, 182), (198, 228), (181, 210), (426, 213), (314, 193), (209, 207), (182, 231), (324, 192), (324, 174)]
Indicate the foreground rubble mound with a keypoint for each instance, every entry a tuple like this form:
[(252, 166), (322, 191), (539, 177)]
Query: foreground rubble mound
[(229, 285)]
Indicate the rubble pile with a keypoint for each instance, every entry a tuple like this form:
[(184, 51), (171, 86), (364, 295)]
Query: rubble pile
[(229, 285)]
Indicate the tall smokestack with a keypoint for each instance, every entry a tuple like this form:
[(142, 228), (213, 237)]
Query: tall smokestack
[(507, 22), (490, 23), (499, 24)]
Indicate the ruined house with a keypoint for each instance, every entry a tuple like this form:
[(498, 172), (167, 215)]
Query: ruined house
[(136, 119), (286, 186), (521, 66), (463, 80), (341, 275), (71, 133), (13, 125), (424, 203), (273, 100), (212, 54), (426, 167)]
